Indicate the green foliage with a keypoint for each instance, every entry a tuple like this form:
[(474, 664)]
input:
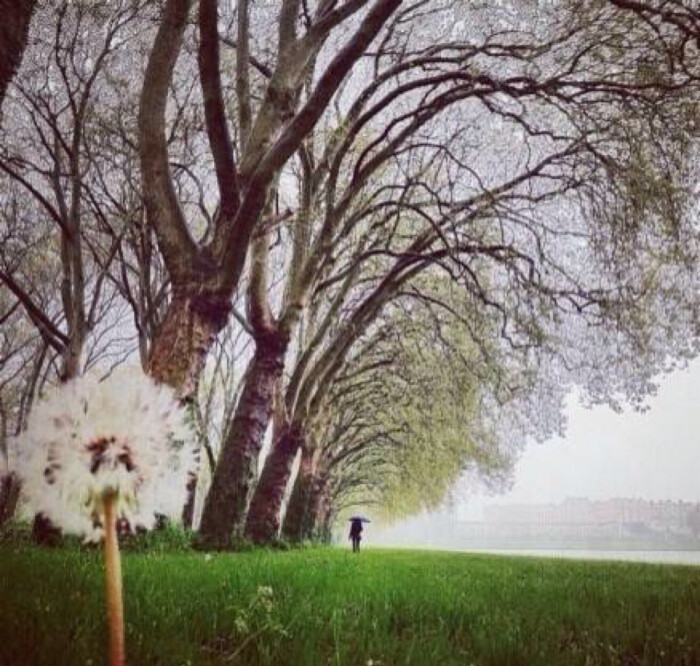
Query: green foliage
[(170, 538), (325, 606), (427, 412), (19, 533), (16, 532)]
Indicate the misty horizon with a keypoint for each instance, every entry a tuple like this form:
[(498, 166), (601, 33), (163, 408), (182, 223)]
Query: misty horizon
[(651, 455)]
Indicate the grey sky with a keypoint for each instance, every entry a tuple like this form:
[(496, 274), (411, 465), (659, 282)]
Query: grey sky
[(652, 455)]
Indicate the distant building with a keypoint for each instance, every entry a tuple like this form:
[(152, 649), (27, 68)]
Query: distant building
[(622, 513)]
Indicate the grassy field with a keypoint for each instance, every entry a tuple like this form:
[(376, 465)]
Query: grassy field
[(327, 606)]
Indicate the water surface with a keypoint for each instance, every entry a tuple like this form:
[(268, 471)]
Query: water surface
[(657, 556)]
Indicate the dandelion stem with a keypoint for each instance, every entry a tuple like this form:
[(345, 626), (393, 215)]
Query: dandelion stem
[(113, 574)]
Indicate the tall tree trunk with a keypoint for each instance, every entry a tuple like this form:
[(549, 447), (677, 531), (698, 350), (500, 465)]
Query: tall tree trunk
[(14, 26), (179, 352), (44, 532), (188, 510), (316, 522), (189, 328), (324, 517), (9, 496), (298, 508), (263, 521), (225, 506)]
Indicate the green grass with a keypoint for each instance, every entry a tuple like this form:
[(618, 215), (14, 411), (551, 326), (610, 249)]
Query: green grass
[(329, 607)]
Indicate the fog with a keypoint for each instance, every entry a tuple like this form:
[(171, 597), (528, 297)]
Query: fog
[(654, 455)]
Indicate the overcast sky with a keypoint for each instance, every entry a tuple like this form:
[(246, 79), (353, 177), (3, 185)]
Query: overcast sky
[(654, 455)]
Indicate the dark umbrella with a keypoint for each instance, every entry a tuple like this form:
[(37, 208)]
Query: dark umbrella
[(362, 519)]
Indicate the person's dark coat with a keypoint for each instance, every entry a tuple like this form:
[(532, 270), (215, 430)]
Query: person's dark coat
[(356, 529)]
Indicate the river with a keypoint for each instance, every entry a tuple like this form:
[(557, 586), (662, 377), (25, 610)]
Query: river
[(691, 557), (656, 556)]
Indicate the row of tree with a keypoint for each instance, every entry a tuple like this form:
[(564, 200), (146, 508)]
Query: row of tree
[(372, 244)]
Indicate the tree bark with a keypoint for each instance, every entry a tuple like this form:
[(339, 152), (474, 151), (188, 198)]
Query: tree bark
[(188, 510), (236, 468), (181, 345), (14, 26), (317, 521), (295, 523), (263, 521), (324, 516), (9, 496), (44, 532)]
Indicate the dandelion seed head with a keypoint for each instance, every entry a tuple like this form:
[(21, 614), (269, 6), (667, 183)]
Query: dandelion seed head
[(125, 436)]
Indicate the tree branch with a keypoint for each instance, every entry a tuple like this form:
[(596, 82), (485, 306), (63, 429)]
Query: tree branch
[(45, 326), (162, 206), (214, 111)]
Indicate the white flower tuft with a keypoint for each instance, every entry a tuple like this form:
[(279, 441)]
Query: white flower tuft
[(126, 435)]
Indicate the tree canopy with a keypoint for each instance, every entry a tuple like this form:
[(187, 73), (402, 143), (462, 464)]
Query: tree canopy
[(370, 244)]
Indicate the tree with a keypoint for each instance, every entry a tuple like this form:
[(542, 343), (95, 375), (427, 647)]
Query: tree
[(537, 158), (24, 359), (338, 170), (47, 154), (680, 17), (17, 15), (205, 275), (402, 422)]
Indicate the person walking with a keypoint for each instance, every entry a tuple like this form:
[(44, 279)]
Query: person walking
[(356, 533)]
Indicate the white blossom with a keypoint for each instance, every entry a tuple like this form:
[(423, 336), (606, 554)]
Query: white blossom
[(125, 436)]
